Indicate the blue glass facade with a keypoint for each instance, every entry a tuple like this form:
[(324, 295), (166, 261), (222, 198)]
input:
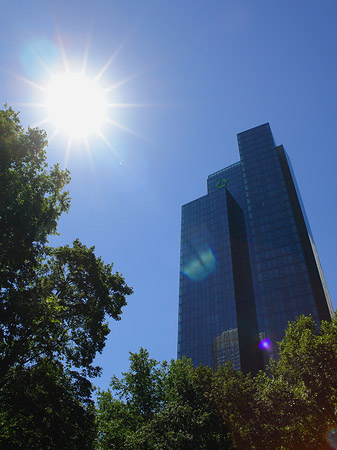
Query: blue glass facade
[(248, 260)]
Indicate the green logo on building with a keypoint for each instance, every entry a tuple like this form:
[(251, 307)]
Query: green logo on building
[(221, 183)]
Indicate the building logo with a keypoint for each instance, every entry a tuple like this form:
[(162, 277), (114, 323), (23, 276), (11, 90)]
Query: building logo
[(221, 183)]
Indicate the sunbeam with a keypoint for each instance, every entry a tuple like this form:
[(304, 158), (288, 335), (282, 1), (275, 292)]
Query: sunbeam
[(128, 130), (120, 83), (52, 136), (87, 147), (101, 135), (31, 83), (86, 53), (67, 152), (46, 68), (77, 105), (63, 53), (131, 105), (41, 122), (30, 104), (109, 61)]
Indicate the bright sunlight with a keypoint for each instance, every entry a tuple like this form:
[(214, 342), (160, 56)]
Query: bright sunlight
[(76, 105)]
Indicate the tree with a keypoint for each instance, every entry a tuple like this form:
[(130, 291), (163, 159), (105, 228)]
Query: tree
[(143, 387), (234, 396), (302, 384), (41, 410), (293, 405), (31, 200), (54, 301), (160, 407), (139, 395), (189, 419)]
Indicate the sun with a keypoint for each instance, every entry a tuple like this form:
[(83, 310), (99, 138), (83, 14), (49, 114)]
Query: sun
[(76, 105)]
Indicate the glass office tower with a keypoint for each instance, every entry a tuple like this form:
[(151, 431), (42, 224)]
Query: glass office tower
[(248, 260)]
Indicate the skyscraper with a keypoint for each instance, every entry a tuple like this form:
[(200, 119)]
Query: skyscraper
[(248, 260)]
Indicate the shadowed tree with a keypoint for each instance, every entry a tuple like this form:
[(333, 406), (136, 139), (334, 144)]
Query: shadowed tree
[(55, 302), (294, 405), (160, 407)]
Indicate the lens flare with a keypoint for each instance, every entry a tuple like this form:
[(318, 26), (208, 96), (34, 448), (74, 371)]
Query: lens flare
[(201, 264), (265, 344)]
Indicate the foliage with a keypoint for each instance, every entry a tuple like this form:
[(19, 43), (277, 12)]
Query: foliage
[(143, 387), (140, 394), (54, 301), (293, 405), (160, 407), (41, 410), (302, 385), (31, 199)]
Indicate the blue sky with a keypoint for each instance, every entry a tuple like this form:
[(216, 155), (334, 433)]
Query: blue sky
[(203, 71)]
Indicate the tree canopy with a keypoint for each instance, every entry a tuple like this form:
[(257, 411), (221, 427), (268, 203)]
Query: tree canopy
[(175, 406), (55, 302), (160, 406), (294, 404)]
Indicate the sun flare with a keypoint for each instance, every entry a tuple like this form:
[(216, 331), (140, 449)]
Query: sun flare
[(76, 105)]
